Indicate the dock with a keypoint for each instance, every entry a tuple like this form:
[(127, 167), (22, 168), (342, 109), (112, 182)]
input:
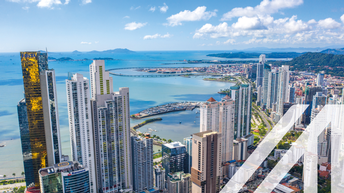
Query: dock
[(166, 108)]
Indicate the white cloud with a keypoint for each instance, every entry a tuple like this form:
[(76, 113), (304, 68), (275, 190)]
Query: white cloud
[(312, 21), (163, 8), (229, 41), (48, 3), (198, 14), (86, 1), (133, 26), (152, 9), (26, 8), (45, 3), (135, 8), (265, 7), (248, 23), (342, 18), (147, 37), (293, 26), (126, 17), (221, 30), (86, 43), (328, 23)]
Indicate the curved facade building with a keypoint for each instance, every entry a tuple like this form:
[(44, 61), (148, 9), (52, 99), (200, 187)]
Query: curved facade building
[(65, 177)]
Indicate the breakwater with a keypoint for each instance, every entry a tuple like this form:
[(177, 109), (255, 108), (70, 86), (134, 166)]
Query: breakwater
[(167, 108)]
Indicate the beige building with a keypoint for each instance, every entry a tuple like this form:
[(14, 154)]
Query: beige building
[(206, 170), (219, 117)]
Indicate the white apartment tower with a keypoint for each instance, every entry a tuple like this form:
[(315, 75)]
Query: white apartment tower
[(283, 85), (101, 82), (111, 127), (80, 124), (219, 117)]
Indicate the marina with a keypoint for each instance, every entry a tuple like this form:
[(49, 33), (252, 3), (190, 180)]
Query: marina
[(170, 107)]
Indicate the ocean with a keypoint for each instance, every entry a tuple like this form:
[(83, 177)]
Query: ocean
[(144, 93)]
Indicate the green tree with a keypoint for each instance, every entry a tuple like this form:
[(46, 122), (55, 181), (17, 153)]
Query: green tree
[(23, 173), (14, 174), (170, 141)]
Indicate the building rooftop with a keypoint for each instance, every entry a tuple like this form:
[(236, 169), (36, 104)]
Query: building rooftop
[(61, 167), (226, 97), (211, 99), (205, 133), (176, 144)]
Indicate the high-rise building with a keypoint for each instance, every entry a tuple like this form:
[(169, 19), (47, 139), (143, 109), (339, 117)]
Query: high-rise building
[(242, 96), (80, 124), (262, 58), (318, 100), (25, 142), (142, 163), (320, 79), (65, 177), (272, 88), (178, 182), (291, 95), (159, 177), (219, 117), (188, 144), (174, 157), (309, 93), (101, 82), (283, 85), (264, 92), (43, 137), (260, 74), (111, 126), (206, 170)]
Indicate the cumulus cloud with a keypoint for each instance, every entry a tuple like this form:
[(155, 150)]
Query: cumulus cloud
[(328, 23), (342, 18), (66, 2), (293, 25), (198, 14), (133, 26), (248, 23), (155, 36), (152, 9), (164, 8), (86, 43), (265, 7)]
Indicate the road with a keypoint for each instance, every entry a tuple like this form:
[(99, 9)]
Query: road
[(265, 119), (157, 159), (11, 186)]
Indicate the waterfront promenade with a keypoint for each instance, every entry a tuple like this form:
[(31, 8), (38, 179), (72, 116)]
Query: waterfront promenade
[(167, 108)]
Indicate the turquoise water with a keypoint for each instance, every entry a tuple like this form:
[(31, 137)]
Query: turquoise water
[(144, 93)]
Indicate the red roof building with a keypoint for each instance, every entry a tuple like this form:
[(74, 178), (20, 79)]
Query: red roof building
[(211, 99)]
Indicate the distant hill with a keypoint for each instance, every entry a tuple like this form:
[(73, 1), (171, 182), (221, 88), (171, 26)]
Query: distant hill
[(333, 51), (256, 55), (76, 52), (114, 51), (316, 62)]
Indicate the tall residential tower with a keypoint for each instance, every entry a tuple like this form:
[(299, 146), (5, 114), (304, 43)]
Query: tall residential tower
[(80, 124)]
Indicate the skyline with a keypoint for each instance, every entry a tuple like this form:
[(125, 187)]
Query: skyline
[(165, 25)]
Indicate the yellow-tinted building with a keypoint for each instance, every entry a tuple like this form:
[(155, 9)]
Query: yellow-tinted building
[(42, 114)]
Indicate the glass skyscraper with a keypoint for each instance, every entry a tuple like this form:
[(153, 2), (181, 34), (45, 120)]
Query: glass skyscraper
[(42, 141), (174, 157)]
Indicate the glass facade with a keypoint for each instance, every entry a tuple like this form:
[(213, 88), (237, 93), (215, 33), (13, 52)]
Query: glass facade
[(76, 182), (52, 183), (25, 141), (174, 157), (32, 64)]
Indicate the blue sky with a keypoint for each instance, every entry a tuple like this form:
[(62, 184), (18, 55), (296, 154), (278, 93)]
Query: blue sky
[(84, 25)]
